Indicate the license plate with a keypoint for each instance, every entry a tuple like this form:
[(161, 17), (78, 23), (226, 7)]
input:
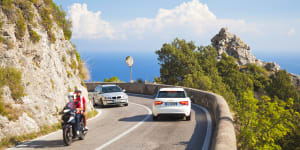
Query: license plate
[(171, 104)]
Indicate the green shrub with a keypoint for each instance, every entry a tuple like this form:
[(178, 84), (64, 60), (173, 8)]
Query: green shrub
[(112, 79), (10, 112), (59, 16), (51, 36), (27, 10), (47, 23), (7, 6), (70, 75), (20, 26), (13, 78), (34, 37), (35, 2), (64, 59)]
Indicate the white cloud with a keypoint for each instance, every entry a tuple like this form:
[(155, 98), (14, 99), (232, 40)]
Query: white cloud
[(191, 20), (87, 24), (291, 32)]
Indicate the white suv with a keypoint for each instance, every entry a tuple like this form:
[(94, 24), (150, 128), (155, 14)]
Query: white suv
[(171, 101)]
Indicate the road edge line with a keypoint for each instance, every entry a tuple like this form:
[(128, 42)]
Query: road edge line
[(208, 129), (127, 131)]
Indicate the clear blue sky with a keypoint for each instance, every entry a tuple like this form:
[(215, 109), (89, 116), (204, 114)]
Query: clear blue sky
[(270, 27)]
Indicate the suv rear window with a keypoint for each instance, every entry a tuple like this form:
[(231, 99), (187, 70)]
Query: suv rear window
[(171, 94)]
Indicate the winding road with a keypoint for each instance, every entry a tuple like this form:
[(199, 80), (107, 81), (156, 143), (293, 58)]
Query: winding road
[(132, 128)]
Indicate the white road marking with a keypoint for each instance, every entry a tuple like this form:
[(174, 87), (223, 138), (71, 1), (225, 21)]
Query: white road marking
[(208, 129), (25, 144), (129, 130)]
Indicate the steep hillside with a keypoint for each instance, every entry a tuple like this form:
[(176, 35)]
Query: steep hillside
[(264, 100), (38, 65)]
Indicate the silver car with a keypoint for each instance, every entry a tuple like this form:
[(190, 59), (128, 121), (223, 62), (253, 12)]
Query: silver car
[(109, 95)]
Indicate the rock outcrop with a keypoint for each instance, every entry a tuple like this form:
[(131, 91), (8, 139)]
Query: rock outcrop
[(295, 80), (49, 66), (226, 42), (272, 66)]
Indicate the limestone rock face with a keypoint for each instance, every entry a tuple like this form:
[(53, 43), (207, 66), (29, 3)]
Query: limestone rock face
[(272, 66), (226, 42), (47, 75), (295, 80)]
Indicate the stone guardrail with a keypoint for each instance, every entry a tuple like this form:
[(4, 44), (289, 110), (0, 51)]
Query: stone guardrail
[(223, 137)]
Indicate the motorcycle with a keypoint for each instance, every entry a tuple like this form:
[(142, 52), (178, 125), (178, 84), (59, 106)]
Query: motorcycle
[(69, 126)]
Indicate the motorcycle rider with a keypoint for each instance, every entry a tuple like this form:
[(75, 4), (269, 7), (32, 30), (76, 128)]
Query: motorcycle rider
[(81, 109)]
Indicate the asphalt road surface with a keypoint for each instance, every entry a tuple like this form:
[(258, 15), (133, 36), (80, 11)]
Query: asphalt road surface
[(132, 128)]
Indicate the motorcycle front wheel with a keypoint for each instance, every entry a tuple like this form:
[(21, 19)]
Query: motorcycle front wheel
[(67, 135)]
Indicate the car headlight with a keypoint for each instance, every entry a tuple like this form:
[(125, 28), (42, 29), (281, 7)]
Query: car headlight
[(107, 97)]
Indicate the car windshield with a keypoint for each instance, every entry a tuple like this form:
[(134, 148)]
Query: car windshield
[(171, 94), (110, 89)]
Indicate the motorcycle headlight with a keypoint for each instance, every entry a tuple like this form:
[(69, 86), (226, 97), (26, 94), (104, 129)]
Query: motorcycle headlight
[(67, 110)]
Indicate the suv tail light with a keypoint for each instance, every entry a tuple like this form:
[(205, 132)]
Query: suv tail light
[(158, 102), (184, 102)]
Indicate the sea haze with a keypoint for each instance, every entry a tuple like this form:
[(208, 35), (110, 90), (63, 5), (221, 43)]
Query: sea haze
[(107, 64)]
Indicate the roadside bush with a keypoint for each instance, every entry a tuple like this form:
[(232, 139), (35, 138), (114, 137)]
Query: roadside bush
[(112, 79)]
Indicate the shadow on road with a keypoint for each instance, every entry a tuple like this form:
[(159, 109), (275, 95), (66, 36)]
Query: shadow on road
[(139, 118), (42, 144)]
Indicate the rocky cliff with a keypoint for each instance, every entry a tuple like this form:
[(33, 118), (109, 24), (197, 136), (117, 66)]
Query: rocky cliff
[(232, 45), (34, 40)]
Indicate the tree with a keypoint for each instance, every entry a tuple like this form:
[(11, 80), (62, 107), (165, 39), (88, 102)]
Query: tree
[(112, 79), (281, 86), (177, 59)]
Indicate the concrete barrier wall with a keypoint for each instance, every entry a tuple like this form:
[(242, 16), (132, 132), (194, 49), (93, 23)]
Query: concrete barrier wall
[(223, 137)]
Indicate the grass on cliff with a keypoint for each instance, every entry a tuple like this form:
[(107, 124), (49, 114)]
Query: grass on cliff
[(34, 37), (20, 25), (12, 78)]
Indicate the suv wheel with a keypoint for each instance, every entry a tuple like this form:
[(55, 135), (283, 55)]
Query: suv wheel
[(155, 118), (188, 118)]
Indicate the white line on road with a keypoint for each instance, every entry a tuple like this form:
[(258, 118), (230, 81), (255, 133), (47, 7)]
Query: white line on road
[(129, 130), (208, 129)]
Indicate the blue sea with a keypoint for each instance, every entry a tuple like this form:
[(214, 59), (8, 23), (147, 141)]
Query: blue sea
[(107, 64)]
